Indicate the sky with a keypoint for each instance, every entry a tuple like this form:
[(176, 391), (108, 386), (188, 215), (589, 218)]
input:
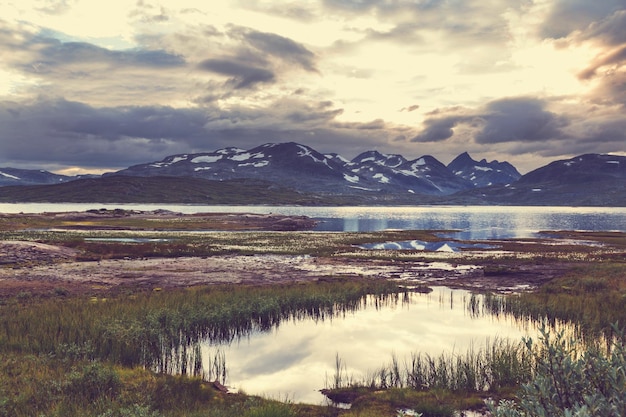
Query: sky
[(95, 86)]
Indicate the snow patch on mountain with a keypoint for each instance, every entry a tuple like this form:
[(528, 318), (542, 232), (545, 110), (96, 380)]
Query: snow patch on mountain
[(351, 178), (259, 164), (307, 152), (241, 157), (381, 178), (13, 177), (208, 159)]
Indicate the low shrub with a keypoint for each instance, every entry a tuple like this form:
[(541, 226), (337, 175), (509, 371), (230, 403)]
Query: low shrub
[(572, 383)]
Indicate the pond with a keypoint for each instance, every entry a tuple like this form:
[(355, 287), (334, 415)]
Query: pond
[(298, 358)]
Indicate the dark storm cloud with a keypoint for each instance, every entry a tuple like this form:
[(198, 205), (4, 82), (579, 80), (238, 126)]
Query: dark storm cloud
[(521, 119), (243, 76), (59, 131), (48, 132)]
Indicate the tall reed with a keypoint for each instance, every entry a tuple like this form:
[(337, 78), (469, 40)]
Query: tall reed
[(498, 364), (162, 330)]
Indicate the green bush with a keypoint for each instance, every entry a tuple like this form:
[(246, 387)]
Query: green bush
[(92, 382), (572, 383)]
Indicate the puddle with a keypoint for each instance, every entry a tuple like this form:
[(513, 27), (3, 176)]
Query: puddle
[(126, 239), (444, 246)]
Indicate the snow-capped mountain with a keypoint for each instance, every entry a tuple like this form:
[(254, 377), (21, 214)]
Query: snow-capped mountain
[(14, 176), (586, 180), (425, 175), (288, 164), (483, 173), (297, 174), (304, 169)]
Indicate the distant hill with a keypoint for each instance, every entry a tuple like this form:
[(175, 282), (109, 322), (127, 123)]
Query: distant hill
[(15, 176), (586, 180), (167, 190)]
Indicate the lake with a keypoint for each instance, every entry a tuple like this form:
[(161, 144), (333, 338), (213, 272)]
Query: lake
[(473, 222)]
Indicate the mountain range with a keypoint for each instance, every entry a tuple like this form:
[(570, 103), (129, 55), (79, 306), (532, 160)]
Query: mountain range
[(291, 173)]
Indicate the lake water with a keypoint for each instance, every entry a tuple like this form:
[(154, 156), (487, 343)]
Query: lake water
[(297, 359), (473, 222)]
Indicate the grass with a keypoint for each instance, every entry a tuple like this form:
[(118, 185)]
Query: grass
[(463, 379), (159, 329), (77, 356), (591, 296)]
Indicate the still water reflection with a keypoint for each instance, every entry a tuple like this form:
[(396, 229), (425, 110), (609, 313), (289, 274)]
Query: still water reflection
[(474, 222), (297, 359)]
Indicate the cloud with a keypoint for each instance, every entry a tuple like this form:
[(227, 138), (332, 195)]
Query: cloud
[(614, 58), (607, 68), (282, 48), (57, 131), (63, 132), (80, 71), (437, 130), (291, 10), (54, 7), (518, 119), (37, 52), (569, 16), (258, 58), (59, 54), (243, 76), (611, 29)]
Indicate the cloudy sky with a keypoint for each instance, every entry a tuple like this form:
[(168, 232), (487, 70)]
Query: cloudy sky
[(93, 86)]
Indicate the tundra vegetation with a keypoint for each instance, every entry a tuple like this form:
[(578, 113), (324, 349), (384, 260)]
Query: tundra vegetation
[(133, 351)]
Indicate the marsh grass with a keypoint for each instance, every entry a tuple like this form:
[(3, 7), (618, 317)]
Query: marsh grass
[(497, 365), (79, 357), (591, 298), (162, 330)]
